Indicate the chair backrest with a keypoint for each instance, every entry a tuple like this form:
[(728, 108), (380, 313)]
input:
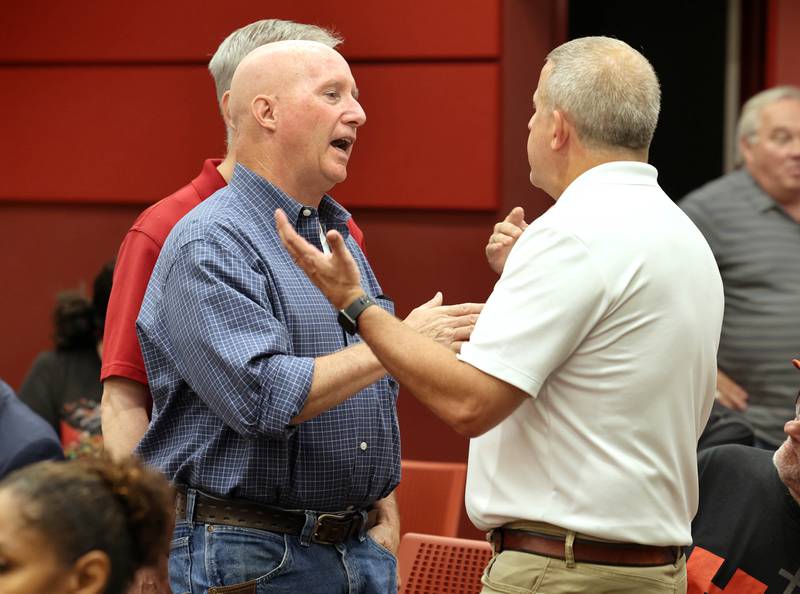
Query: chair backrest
[(431, 496), (441, 564)]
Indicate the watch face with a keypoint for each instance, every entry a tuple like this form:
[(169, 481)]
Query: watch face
[(346, 322), (348, 317)]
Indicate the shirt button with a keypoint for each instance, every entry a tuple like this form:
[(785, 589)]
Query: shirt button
[(363, 445), (306, 212)]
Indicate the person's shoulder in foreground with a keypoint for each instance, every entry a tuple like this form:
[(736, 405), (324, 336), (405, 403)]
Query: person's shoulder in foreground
[(25, 437)]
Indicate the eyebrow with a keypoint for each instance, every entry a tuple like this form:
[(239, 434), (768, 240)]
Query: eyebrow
[(337, 83)]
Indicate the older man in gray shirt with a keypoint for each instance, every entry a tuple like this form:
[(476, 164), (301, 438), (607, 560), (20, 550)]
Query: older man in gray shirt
[(751, 219)]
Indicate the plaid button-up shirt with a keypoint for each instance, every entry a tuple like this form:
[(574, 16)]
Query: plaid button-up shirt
[(229, 330)]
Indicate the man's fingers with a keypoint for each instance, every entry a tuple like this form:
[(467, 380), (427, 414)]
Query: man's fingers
[(463, 333), (336, 243), (434, 301), (732, 399), (302, 252), (456, 346), (517, 217), (458, 321), (462, 309), (288, 235), (506, 231)]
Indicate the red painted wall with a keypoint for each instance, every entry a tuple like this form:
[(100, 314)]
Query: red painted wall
[(783, 43), (105, 111)]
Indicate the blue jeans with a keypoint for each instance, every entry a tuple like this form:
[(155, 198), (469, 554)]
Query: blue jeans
[(232, 560)]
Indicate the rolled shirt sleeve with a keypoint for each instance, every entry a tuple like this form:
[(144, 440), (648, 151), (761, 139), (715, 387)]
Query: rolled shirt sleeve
[(228, 346)]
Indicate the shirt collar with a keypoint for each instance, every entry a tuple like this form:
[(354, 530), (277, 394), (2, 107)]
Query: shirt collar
[(760, 200), (267, 197), (620, 172), (209, 179), (614, 172)]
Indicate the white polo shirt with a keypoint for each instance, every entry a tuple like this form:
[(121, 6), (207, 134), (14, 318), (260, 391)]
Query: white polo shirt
[(608, 314)]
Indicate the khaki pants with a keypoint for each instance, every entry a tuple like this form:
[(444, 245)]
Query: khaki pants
[(513, 572)]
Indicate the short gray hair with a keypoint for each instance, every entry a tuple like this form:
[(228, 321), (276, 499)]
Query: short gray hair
[(242, 41), (608, 89), (750, 118)]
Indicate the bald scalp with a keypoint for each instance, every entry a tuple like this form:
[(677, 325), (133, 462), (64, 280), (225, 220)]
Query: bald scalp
[(270, 71)]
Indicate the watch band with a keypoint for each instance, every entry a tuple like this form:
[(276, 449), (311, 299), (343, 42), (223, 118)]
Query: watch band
[(348, 317)]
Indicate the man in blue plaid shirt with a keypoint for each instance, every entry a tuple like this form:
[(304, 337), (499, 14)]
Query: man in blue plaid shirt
[(278, 427)]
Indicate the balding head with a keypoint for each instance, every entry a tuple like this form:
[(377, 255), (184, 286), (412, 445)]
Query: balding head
[(273, 70), (294, 112)]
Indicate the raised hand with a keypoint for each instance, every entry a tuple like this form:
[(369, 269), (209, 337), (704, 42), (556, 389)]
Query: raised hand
[(335, 274), (503, 238)]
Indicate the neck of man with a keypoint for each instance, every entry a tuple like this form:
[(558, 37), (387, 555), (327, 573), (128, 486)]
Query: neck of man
[(273, 171), (581, 159), (790, 202), (225, 168)]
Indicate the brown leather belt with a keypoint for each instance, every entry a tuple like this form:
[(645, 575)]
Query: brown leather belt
[(330, 528), (586, 551)]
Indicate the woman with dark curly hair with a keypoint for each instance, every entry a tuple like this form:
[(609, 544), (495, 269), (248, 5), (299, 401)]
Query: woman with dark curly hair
[(81, 527), (63, 385)]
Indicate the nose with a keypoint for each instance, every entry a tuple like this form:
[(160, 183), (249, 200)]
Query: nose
[(792, 429), (794, 146), (356, 116), (530, 123)]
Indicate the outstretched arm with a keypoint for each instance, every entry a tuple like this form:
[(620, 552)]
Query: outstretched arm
[(467, 399)]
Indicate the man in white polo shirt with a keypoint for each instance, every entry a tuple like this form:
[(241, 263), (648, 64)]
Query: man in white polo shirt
[(591, 371)]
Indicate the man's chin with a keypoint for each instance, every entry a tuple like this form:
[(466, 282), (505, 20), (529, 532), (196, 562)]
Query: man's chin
[(787, 462), (336, 175)]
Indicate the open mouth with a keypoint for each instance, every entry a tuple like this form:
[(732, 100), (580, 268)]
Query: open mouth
[(343, 144)]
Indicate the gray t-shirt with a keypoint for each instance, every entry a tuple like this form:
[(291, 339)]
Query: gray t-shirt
[(757, 247)]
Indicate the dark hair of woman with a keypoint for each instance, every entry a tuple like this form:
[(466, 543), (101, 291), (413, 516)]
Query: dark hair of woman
[(78, 322), (121, 509)]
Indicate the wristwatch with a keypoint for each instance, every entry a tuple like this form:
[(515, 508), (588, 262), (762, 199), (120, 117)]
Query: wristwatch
[(349, 315)]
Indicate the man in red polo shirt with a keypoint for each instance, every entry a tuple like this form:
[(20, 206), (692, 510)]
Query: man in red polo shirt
[(126, 399)]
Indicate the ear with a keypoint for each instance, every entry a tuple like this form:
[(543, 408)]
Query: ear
[(225, 109), (746, 149), (561, 131), (263, 110), (90, 573)]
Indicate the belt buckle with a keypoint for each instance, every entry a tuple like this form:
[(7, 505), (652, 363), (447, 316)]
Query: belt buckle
[(320, 539)]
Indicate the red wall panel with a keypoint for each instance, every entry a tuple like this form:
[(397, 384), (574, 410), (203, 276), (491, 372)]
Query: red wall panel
[(431, 139), (183, 30), (109, 134), (132, 134), (783, 43)]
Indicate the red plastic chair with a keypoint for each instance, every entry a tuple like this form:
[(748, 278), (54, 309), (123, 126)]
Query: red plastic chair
[(431, 497), (441, 565)]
